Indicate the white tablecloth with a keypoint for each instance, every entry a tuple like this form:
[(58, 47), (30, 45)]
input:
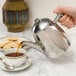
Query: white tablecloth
[(41, 66)]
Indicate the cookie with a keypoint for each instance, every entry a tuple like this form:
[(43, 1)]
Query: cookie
[(12, 38)]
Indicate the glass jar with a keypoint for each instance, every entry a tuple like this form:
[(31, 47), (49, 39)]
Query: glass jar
[(15, 15)]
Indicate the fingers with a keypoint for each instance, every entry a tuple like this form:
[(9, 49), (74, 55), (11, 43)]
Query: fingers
[(75, 21), (62, 19), (63, 10), (67, 21), (58, 10), (69, 18)]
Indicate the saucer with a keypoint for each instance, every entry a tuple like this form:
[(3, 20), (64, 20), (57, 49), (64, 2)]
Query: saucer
[(25, 65)]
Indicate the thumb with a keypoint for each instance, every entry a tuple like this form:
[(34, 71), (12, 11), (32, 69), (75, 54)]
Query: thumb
[(64, 10)]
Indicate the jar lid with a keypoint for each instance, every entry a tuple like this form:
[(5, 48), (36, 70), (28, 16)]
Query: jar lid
[(15, 6), (14, 0)]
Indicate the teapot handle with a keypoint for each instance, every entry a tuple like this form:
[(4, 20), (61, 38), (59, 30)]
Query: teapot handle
[(58, 17), (59, 28), (55, 22)]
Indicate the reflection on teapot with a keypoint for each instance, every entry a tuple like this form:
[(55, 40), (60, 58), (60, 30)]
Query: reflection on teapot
[(50, 38)]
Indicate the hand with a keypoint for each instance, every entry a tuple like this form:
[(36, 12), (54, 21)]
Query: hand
[(69, 17)]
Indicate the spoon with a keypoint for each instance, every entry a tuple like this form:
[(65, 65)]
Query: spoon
[(7, 66)]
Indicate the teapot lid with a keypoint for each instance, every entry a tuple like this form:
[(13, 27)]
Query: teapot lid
[(40, 24)]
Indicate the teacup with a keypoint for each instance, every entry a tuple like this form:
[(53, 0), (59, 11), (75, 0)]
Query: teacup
[(15, 59)]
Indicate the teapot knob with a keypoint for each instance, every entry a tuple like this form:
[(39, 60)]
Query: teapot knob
[(37, 20)]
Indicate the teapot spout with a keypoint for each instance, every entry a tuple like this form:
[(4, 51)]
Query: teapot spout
[(33, 45)]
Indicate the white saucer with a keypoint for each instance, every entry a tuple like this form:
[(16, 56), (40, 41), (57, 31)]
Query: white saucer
[(22, 67)]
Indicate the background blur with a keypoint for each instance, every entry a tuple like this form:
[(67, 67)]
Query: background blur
[(43, 8)]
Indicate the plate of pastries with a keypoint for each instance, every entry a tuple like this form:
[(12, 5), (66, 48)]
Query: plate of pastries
[(10, 42)]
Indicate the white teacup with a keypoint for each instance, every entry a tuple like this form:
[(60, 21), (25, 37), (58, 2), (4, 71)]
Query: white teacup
[(12, 60)]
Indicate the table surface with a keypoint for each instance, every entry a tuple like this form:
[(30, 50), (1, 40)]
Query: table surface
[(41, 65)]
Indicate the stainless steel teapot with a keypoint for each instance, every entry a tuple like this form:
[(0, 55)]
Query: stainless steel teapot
[(50, 38)]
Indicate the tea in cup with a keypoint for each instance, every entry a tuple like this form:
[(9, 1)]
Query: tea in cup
[(13, 58)]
